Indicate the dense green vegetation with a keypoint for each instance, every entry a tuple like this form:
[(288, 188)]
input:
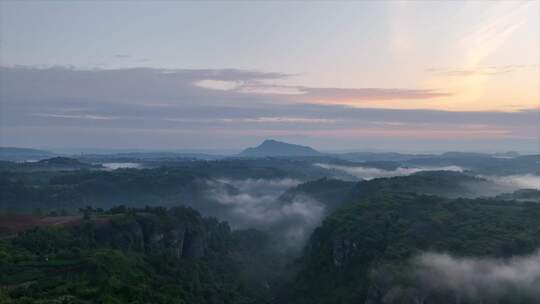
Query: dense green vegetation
[(50, 164), (360, 254), (331, 192), (334, 192), (74, 189), (441, 183), (363, 252), (49, 188), (385, 231), (151, 255), (532, 195)]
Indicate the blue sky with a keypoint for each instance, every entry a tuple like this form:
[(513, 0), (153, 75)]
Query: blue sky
[(411, 76)]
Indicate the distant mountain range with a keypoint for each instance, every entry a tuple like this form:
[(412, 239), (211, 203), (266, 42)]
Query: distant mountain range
[(23, 154), (274, 148)]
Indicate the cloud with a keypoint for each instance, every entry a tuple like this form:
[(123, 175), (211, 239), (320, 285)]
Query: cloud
[(122, 56), (492, 31), (483, 70), (275, 90), (480, 278), (335, 94), (74, 116), (172, 86), (173, 101), (289, 120), (360, 94), (217, 84), (132, 86), (515, 182), (261, 186), (257, 205), (368, 173)]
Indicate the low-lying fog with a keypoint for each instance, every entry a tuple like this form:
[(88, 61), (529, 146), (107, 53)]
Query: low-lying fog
[(256, 204), (367, 173), (114, 166), (523, 181), (506, 183), (480, 278)]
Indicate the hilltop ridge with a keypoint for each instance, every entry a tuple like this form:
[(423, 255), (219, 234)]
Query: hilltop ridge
[(275, 148)]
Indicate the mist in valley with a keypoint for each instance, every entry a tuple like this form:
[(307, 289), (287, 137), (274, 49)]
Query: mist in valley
[(480, 279), (255, 203), (516, 182), (368, 173)]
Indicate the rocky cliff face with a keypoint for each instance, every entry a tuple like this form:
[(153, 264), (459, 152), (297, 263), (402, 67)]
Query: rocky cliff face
[(179, 231), (366, 252), (342, 251)]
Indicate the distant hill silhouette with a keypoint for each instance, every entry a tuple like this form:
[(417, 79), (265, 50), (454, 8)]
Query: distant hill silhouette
[(23, 154), (277, 148), (61, 161)]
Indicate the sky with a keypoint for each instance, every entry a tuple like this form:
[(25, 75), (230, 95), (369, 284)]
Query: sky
[(420, 76)]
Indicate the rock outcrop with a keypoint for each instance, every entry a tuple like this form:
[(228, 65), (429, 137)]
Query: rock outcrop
[(179, 231)]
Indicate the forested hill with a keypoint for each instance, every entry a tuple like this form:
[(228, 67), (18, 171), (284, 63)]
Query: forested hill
[(334, 192), (23, 154), (150, 255), (441, 183), (361, 253)]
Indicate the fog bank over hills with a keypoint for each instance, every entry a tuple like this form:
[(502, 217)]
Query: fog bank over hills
[(371, 226), (257, 204), (480, 279), (368, 173)]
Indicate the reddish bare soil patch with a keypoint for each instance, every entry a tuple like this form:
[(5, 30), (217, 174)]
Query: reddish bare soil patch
[(12, 224)]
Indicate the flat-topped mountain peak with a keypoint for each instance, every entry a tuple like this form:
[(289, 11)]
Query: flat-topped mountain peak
[(271, 147)]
